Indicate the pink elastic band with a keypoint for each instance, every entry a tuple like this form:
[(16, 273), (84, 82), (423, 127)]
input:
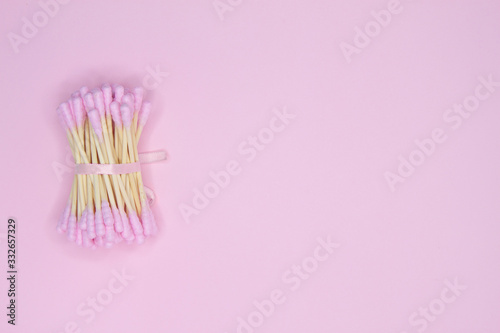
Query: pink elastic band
[(107, 169), (119, 169)]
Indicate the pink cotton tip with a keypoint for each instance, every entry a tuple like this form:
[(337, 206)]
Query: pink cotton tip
[(107, 93), (107, 215), (110, 234), (67, 115), (126, 115), (135, 223), (99, 241), (99, 102), (91, 224), (129, 100), (88, 101), (140, 239), (79, 236), (62, 225), (83, 90), (61, 118), (127, 233), (78, 111), (95, 121), (118, 238), (76, 94), (147, 223), (72, 228), (100, 230), (82, 222), (118, 93), (144, 114), (86, 242), (139, 97), (118, 219), (115, 113)]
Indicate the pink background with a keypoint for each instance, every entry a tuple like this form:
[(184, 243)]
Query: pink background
[(322, 176)]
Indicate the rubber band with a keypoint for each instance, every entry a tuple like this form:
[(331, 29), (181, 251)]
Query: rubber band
[(120, 169)]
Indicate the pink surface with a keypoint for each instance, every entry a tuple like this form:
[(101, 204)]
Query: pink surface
[(333, 166)]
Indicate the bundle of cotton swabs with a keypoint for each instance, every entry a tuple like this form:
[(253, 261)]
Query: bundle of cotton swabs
[(103, 126)]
